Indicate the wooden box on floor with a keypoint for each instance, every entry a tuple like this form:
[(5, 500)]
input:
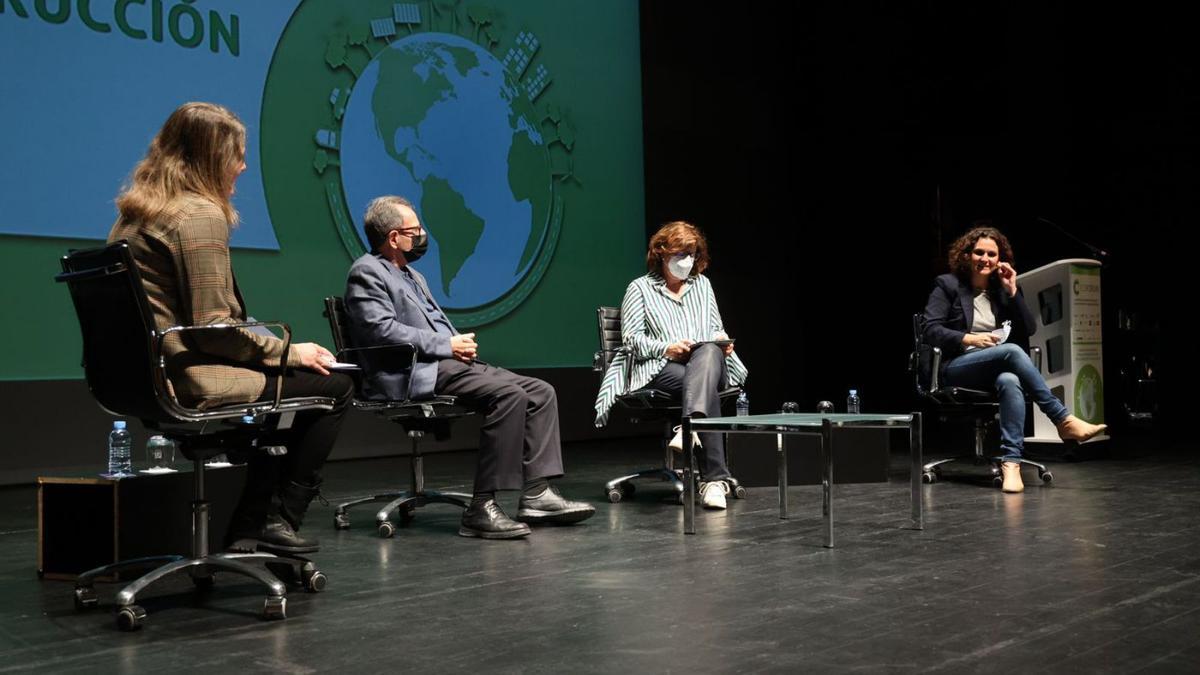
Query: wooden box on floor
[(859, 456), (86, 522)]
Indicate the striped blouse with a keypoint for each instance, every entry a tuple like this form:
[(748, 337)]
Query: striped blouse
[(651, 320)]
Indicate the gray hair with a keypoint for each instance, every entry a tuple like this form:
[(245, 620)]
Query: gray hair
[(382, 217)]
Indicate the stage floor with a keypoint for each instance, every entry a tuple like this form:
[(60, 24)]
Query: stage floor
[(1098, 573)]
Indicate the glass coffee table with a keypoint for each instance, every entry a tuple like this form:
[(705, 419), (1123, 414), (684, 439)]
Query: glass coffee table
[(814, 424)]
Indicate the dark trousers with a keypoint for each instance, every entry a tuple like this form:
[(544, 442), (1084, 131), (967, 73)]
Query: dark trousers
[(700, 380), (308, 442), (519, 439)]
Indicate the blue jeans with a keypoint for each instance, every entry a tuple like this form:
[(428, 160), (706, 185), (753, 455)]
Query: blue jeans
[(1008, 370)]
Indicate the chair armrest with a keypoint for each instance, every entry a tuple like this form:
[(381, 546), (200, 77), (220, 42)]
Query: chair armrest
[(935, 368), (404, 350), (162, 364), (598, 357)]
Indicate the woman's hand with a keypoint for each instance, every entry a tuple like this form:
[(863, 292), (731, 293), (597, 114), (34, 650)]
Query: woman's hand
[(728, 349), (981, 340), (679, 352), (313, 356), (464, 347), (1008, 278)]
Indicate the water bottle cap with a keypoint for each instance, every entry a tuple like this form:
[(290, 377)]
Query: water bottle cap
[(854, 392), (118, 424), (247, 419)]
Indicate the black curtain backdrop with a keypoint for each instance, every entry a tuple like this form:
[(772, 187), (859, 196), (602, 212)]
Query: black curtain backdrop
[(831, 151)]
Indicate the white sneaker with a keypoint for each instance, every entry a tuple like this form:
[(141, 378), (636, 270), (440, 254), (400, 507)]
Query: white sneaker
[(712, 494), (676, 443)]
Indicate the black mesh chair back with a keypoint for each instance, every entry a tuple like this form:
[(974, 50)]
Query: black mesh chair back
[(335, 311), (609, 321), (118, 330), (120, 344)]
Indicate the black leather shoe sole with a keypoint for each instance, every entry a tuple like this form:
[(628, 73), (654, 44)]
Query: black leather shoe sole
[(563, 517), (523, 531), (251, 545)]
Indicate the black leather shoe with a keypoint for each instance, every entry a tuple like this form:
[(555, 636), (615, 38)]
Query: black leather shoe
[(551, 507), (488, 521), (275, 536)]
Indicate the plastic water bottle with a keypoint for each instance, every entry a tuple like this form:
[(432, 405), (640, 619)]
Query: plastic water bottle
[(743, 404), (853, 404), (120, 446)]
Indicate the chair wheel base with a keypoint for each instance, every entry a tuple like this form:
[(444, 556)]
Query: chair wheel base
[(315, 581), (929, 477), (386, 529), (274, 608), (341, 521), (1046, 477), (614, 496), (85, 598), (130, 618)]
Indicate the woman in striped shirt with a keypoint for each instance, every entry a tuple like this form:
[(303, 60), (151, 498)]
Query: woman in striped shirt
[(669, 319)]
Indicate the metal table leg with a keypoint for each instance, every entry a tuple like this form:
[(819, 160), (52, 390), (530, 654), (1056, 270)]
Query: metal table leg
[(689, 480), (827, 480), (914, 445), (783, 477)]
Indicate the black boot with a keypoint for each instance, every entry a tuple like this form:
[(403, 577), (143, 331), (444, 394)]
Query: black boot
[(294, 499), (273, 534)]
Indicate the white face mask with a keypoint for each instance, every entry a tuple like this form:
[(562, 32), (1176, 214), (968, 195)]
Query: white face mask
[(680, 265)]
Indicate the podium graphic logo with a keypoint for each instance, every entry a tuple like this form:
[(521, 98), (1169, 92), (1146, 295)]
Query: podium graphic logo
[(427, 105), (1089, 395)]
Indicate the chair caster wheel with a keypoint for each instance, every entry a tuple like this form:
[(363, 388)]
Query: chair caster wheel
[(274, 608), (997, 481), (85, 598), (1047, 477), (929, 477), (315, 581), (130, 617), (614, 496), (681, 497), (387, 529), (341, 521), (739, 492)]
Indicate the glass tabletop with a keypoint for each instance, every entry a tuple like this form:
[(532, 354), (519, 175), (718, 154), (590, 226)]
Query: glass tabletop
[(784, 421)]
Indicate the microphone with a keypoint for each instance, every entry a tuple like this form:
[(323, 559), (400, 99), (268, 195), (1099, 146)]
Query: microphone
[(1100, 253)]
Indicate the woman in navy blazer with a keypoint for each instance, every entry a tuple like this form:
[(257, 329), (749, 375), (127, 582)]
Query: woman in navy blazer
[(965, 306)]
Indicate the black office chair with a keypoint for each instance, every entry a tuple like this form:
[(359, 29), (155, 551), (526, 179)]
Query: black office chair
[(646, 404), (125, 371), (416, 417), (982, 407)]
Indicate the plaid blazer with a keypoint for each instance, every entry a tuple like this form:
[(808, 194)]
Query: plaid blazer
[(183, 257)]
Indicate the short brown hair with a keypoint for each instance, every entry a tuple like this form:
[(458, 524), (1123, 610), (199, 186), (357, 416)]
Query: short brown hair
[(382, 217), (959, 256), (674, 237)]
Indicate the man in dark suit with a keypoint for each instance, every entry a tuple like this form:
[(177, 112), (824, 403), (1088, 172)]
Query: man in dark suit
[(388, 302)]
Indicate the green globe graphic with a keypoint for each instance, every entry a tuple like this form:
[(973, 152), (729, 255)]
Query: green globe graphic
[(1089, 395), (438, 119)]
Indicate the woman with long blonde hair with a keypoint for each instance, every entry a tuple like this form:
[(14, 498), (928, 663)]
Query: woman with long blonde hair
[(176, 215)]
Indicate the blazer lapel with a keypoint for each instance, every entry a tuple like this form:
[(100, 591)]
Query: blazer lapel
[(967, 302), (406, 289)]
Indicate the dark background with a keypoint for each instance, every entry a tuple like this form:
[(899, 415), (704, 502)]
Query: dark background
[(832, 151)]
